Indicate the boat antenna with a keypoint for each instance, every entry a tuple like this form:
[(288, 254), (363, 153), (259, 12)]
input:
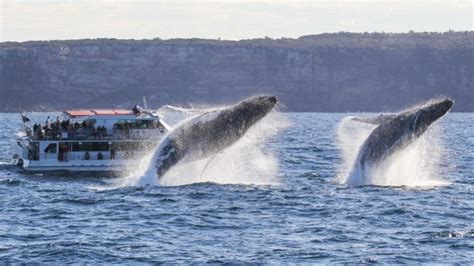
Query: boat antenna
[(144, 103)]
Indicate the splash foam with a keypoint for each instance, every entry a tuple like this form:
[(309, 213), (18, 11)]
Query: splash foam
[(415, 166), (245, 162)]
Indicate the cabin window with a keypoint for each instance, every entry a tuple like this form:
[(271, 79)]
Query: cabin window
[(51, 148), (90, 146)]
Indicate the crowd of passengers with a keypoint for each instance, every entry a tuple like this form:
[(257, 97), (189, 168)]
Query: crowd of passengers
[(85, 129)]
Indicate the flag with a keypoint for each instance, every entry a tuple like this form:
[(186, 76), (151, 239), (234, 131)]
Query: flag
[(24, 117)]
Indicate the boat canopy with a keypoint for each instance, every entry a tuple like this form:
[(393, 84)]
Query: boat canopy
[(93, 112)]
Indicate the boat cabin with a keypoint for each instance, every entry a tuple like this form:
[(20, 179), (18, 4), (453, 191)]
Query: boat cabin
[(91, 140)]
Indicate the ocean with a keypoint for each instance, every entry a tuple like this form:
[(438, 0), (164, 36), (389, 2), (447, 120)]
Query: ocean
[(276, 196)]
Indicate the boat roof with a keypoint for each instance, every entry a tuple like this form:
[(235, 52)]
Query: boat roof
[(94, 112)]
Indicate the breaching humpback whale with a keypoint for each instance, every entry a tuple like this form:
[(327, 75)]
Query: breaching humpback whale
[(209, 133), (395, 132)]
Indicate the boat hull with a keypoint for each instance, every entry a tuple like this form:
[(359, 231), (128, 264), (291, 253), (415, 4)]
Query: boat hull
[(79, 166)]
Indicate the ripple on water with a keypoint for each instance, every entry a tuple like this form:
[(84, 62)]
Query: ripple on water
[(308, 217)]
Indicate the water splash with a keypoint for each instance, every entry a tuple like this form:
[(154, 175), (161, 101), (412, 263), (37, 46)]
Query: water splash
[(414, 166), (20, 134), (246, 162)]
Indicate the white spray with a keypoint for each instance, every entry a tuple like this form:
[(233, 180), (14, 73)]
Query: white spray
[(415, 166), (245, 162)]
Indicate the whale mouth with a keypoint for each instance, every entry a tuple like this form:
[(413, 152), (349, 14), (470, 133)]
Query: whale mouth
[(273, 99), (444, 106), (264, 103), (265, 100), (440, 107), (449, 103)]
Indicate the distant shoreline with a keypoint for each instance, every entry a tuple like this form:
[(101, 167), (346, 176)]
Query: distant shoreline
[(334, 72)]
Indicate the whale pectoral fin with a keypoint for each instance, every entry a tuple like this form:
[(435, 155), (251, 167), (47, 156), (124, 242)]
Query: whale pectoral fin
[(162, 168), (167, 158), (383, 118)]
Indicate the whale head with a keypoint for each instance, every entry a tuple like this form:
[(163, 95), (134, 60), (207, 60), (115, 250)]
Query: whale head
[(226, 126), (248, 112), (430, 112)]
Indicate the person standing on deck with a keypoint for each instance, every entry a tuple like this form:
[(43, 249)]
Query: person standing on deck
[(47, 123)]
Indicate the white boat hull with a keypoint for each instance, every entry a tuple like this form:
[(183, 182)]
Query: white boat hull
[(80, 166)]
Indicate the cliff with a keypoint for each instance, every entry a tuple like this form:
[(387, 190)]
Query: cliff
[(327, 72)]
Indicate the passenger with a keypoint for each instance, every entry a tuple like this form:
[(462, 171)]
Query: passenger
[(46, 132), (64, 125), (29, 131), (84, 124), (112, 154), (69, 131), (38, 131), (100, 156), (100, 131), (80, 132), (58, 121), (47, 122), (92, 133), (87, 156), (135, 110), (54, 130)]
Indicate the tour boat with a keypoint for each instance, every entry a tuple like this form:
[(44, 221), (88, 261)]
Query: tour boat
[(96, 140)]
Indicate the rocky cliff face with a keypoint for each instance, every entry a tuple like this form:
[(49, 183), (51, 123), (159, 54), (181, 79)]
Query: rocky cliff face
[(331, 72)]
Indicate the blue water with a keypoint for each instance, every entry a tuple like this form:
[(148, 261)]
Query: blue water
[(307, 216)]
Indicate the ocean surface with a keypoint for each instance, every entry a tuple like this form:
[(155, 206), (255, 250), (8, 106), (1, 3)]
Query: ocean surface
[(276, 196)]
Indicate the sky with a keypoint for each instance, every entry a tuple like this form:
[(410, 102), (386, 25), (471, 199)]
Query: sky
[(230, 20)]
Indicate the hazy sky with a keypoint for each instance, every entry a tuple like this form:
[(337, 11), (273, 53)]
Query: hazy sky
[(146, 19)]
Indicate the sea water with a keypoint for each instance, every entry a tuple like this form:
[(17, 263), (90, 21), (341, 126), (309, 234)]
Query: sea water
[(278, 195)]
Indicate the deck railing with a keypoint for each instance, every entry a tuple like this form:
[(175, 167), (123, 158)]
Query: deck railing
[(86, 134)]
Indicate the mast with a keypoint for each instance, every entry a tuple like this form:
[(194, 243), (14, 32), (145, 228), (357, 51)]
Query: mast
[(144, 103)]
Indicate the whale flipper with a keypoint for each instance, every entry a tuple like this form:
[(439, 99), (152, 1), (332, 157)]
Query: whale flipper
[(380, 119), (167, 155)]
